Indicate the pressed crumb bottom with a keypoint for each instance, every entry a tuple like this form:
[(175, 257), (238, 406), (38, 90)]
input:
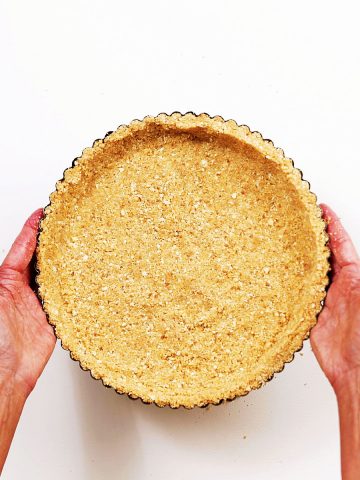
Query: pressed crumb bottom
[(182, 260)]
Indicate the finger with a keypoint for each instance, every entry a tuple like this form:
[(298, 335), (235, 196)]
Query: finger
[(23, 248), (341, 246), (317, 330), (29, 272)]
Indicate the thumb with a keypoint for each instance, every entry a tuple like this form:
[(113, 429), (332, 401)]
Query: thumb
[(24, 245)]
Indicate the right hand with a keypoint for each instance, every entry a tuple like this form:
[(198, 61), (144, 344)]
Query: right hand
[(336, 337)]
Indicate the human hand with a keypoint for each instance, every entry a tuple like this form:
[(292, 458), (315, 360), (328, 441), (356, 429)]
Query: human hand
[(336, 337), (26, 338), (336, 341)]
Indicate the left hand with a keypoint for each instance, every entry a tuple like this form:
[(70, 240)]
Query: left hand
[(26, 338)]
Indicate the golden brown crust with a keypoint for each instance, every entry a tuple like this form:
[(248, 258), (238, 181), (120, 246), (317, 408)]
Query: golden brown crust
[(182, 260)]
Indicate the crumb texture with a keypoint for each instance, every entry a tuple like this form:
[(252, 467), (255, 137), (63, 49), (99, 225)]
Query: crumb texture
[(182, 260)]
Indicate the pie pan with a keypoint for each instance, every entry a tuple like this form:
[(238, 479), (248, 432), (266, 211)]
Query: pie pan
[(182, 260)]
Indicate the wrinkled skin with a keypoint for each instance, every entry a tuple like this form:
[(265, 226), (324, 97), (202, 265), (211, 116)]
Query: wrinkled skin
[(26, 338), (336, 337)]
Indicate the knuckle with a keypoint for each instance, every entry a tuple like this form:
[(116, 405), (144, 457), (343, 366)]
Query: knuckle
[(9, 275), (22, 242), (6, 295), (9, 284)]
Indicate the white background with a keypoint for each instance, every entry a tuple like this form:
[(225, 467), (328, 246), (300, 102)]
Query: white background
[(71, 71)]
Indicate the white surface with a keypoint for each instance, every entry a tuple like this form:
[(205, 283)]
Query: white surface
[(71, 71)]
